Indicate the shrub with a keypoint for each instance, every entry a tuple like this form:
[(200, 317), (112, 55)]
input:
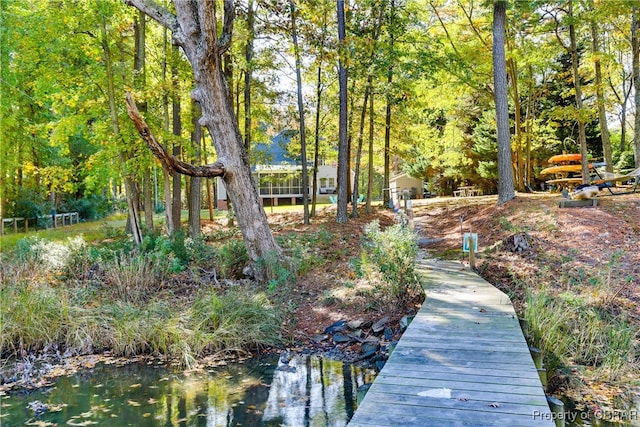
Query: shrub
[(394, 252), (232, 258)]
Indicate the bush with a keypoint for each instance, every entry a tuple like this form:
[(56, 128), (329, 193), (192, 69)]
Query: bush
[(232, 258), (393, 251)]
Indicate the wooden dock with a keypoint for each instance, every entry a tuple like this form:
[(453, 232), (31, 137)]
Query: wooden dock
[(463, 361)]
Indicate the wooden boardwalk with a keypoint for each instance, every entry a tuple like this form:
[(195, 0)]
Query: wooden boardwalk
[(463, 361)]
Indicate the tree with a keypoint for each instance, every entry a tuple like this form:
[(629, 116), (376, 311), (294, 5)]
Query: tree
[(303, 139), (506, 190), (343, 146), (195, 28)]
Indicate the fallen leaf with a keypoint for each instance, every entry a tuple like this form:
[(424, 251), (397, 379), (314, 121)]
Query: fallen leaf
[(133, 403)]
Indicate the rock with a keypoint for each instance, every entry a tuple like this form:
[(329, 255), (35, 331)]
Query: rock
[(341, 338), (355, 324), (388, 333), (368, 347), (380, 324), (339, 326), (319, 338), (404, 322)]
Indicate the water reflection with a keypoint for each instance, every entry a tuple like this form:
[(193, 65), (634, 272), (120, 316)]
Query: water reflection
[(305, 391)]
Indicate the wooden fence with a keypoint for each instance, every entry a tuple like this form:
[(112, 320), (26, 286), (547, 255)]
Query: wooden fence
[(58, 220)]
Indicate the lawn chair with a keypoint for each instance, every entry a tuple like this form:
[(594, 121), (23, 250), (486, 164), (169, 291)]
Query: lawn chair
[(608, 180)]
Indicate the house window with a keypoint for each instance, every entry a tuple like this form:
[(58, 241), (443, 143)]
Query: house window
[(332, 183)]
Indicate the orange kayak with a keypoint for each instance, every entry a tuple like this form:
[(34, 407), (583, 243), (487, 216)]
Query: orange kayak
[(563, 169), (561, 158)]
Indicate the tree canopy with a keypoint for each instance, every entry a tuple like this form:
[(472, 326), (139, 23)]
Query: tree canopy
[(419, 94)]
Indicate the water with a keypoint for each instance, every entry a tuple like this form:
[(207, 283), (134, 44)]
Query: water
[(308, 391)]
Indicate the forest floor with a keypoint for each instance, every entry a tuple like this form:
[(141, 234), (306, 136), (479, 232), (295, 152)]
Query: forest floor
[(566, 247)]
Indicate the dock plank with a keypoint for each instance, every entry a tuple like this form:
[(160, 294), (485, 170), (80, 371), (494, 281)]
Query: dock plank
[(463, 361)]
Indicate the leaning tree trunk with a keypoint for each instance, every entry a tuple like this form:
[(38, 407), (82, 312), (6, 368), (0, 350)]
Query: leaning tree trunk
[(195, 29)]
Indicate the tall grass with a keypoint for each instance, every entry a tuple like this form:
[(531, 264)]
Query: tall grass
[(571, 330), (239, 319)]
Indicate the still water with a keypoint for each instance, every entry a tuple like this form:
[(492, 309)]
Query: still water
[(306, 391)]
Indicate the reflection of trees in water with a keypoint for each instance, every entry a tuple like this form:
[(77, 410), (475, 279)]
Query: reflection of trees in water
[(318, 392)]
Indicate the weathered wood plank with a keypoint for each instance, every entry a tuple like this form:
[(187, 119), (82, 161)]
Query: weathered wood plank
[(433, 404), (410, 415), (480, 395), (462, 361), (401, 372), (490, 370)]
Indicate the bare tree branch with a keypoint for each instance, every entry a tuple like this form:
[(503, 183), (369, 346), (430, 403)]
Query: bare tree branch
[(157, 12), (170, 163)]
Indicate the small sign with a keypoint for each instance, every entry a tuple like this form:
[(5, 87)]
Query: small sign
[(465, 242)]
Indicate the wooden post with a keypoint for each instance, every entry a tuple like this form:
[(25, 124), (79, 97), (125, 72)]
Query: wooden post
[(15, 225), (26, 225), (557, 409), (1, 226), (472, 254)]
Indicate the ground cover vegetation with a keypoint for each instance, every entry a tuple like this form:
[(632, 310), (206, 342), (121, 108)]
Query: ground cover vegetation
[(188, 301)]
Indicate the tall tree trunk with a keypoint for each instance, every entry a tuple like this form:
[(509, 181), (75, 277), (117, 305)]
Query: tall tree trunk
[(140, 83), (248, 56), (133, 215), (529, 117), (512, 71), (602, 114), (386, 192), (582, 137), (195, 29), (303, 138), (506, 190), (211, 196), (176, 127), (316, 142), (195, 201), (375, 34), (343, 147), (635, 50), (370, 159), (356, 179)]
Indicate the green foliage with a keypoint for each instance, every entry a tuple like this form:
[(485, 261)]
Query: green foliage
[(232, 258), (32, 316), (393, 252), (571, 330), (89, 208), (239, 319)]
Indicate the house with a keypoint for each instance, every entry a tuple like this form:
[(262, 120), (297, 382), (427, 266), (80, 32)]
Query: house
[(400, 182), (279, 177)]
